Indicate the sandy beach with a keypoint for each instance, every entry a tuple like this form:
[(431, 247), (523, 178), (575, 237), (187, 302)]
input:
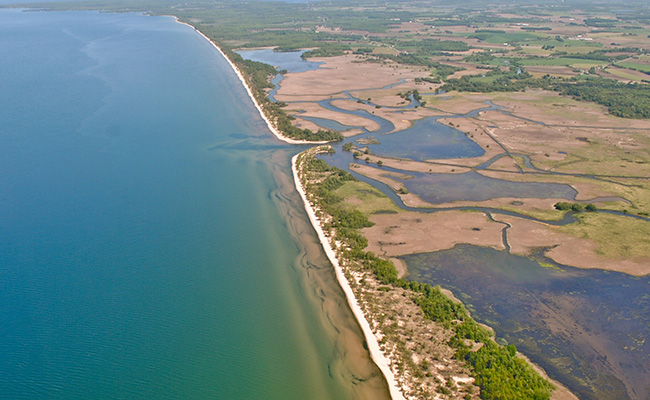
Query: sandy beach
[(239, 74), (373, 345)]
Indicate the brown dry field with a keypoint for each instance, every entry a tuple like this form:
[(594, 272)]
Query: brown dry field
[(457, 103), (337, 75), (527, 137), (553, 109), (304, 124), (526, 236), (362, 80), (409, 27), (561, 71), (315, 110), (568, 126), (411, 232), (605, 38)]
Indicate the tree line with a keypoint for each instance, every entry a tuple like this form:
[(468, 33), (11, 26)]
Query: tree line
[(258, 76)]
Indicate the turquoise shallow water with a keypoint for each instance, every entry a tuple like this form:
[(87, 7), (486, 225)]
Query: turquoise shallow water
[(142, 250)]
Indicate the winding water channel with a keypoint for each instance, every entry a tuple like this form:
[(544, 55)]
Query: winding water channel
[(587, 328)]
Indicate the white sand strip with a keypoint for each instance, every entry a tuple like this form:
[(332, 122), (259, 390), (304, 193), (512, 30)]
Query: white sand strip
[(272, 128), (373, 345)]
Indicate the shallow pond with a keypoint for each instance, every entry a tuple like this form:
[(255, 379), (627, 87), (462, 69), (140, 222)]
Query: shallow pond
[(472, 186), (291, 61), (427, 139), (587, 328)]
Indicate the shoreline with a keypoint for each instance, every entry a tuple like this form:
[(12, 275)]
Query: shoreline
[(382, 362), (376, 354), (239, 74)]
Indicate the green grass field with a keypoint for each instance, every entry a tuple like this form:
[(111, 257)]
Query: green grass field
[(635, 66), (617, 236), (570, 62), (370, 199), (621, 73)]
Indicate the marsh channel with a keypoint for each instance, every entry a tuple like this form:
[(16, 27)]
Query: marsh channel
[(587, 328)]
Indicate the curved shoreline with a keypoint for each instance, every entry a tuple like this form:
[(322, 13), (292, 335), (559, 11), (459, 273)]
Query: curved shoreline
[(377, 356), (239, 74), (382, 362)]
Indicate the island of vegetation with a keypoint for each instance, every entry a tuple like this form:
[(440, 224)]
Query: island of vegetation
[(552, 103)]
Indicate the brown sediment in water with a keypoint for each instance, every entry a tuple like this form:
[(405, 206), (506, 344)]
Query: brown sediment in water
[(352, 366), (372, 341)]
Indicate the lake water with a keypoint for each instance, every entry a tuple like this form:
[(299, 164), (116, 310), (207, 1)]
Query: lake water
[(151, 243)]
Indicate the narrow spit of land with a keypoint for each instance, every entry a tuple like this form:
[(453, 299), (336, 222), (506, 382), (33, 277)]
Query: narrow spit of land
[(406, 373), (373, 347), (243, 81)]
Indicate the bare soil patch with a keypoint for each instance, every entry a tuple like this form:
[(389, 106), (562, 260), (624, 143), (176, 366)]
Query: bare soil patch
[(411, 232), (526, 237), (338, 74), (457, 103), (553, 109), (309, 109)]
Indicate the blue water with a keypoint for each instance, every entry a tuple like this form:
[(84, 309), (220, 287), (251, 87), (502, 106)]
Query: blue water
[(426, 140), (291, 61), (143, 250), (472, 186), (287, 60)]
